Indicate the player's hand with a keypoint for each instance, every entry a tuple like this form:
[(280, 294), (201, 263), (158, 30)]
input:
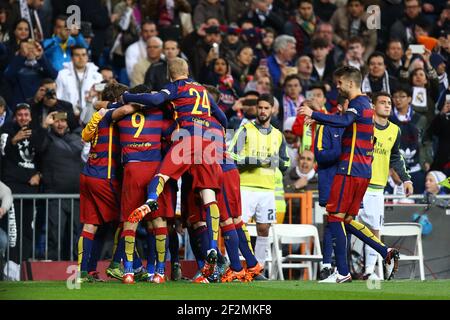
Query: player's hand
[(408, 187), (305, 110), (103, 111), (2, 212)]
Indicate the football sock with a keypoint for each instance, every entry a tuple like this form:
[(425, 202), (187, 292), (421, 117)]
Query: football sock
[(212, 221), (118, 248), (337, 230), (174, 245), (84, 249), (365, 235), (327, 246), (129, 237), (161, 237), (151, 251), (232, 245), (260, 248), (137, 261), (97, 247), (245, 246), (193, 241), (155, 187), (203, 241)]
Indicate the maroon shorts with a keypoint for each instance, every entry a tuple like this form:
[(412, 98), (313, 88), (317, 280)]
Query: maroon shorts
[(230, 198), (99, 200), (346, 194), (203, 166), (136, 177)]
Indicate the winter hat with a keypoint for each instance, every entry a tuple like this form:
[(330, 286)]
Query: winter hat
[(439, 176), (436, 59)]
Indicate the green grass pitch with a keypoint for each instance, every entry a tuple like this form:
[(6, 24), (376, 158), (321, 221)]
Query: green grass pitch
[(267, 290)]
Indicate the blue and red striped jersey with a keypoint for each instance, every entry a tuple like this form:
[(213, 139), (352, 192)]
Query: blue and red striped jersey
[(140, 136), (358, 137), (194, 110), (104, 153)]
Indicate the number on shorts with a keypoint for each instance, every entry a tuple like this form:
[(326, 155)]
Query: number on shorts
[(270, 216)]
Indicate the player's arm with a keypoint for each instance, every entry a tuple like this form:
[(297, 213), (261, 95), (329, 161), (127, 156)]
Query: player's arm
[(90, 130), (283, 158), (217, 112), (125, 110), (151, 99), (107, 105), (398, 164), (334, 120), (326, 151)]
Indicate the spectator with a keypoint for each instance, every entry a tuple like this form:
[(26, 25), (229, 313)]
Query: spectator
[(305, 70), (350, 21), (157, 75), (282, 59), (440, 128), (241, 67), (424, 81), (403, 29), (292, 141), (4, 27), (302, 26), (378, 79), (76, 79), (154, 51), (208, 9), (322, 61), (324, 9), (432, 183), (26, 70), (394, 54), (438, 63), (302, 177), (198, 46), (107, 74), (7, 201), (19, 144), (166, 14), (61, 153), (245, 108), (325, 31), (138, 50), (307, 133), (58, 48), (219, 76), (263, 14), (45, 101), (292, 97), (231, 43), (236, 9), (20, 33), (354, 54), (250, 35), (5, 113), (265, 49), (29, 12), (412, 127)]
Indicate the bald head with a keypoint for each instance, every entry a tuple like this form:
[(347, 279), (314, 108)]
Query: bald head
[(178, 68)]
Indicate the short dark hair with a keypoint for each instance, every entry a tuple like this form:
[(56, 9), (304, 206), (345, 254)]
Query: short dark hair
[(318, 43), (349, 72), (403, 87), (350, 1), (140, 88), (21, 106), (392, 40), (266, 97), (2, 102), (62, 17), (78, 47), (109, 68), (113, 91), (251, 93), (356, 39), (376, 95), (292, 77), (376, 54), (318, 86), (307, 1), (46, 81), (147, 21)]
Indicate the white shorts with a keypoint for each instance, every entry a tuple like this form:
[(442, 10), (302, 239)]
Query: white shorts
[(372, 213), (260, 204)]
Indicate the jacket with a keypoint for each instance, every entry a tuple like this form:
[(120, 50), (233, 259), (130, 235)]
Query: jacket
[(54, 52)]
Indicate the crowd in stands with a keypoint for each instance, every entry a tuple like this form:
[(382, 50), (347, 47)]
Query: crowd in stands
[(51, 74)]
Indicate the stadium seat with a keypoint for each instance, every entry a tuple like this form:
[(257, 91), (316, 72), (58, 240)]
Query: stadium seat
[(408, 229), (296, 234)]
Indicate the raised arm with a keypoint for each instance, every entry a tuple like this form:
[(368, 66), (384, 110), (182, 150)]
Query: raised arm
[(147, 99), (338, 121)]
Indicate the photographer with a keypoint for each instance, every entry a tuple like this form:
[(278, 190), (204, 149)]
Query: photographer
[(26, 70), (61, 168), (19, 145), (45, 102)]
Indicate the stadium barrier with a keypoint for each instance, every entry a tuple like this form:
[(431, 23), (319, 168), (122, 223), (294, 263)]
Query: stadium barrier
[(40, 203)]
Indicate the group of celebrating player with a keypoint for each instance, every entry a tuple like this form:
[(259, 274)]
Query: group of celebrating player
[(159, 138)]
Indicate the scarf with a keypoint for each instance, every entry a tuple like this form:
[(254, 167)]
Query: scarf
[(366, 87), (308, 175), (309, 26), (443, 79), (404, 118), (290, 106)]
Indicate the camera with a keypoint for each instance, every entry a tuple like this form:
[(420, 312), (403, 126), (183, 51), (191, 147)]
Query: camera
[(50, 94)]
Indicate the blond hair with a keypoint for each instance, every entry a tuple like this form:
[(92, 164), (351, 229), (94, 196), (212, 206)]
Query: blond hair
[(178, 67)]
